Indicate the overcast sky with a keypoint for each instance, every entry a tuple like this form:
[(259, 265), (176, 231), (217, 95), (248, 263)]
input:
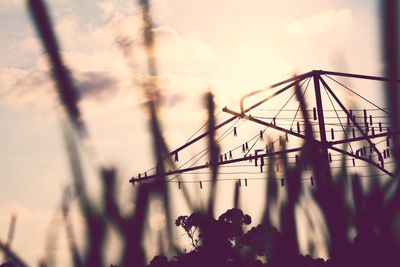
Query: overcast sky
[(233, 47)]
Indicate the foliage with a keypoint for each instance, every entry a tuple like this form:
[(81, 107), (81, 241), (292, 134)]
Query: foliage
[(372, 215)]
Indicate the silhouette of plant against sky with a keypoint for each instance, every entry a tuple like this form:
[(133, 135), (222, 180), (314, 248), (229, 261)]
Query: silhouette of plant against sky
[(361, 218)]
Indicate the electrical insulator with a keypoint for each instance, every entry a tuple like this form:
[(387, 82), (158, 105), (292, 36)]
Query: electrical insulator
[(315, 114)]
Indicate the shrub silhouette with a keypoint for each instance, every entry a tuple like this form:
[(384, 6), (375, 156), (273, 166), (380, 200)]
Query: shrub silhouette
[(373, 215)]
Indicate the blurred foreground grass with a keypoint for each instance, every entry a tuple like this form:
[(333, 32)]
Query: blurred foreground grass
[(347, 207)]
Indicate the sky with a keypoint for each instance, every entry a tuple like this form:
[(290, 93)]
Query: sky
[(232, 47)]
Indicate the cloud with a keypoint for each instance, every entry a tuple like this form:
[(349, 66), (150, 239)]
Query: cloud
[(320, 22), (36, 87), (95, 85), (8, 4)]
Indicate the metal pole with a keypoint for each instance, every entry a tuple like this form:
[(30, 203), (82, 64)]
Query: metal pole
[(321, 124)]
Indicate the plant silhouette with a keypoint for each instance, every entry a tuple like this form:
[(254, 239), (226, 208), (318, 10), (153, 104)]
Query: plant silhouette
[(372, 215)]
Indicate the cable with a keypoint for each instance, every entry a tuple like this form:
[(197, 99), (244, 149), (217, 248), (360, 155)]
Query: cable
[(349, 143), (205, 124), (276, 116), (357, 94)]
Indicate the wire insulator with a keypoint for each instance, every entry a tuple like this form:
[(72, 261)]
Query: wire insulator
[(312, 181), (354, 162), (245, 182), (176, 157), (234, 132), (315, 114)]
